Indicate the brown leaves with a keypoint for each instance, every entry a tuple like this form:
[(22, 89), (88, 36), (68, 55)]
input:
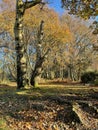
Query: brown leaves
[(47, 113)]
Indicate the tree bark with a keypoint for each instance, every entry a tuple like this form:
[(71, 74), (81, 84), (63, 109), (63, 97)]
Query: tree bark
[(39, 58), (21, 48), (37, 71), (69, 72)]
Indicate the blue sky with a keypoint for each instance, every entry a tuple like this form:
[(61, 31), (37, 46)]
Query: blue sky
[(97, 18), (56, 5)]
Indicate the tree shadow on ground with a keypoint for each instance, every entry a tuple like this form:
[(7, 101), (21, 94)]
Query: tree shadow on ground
[(39, 103)]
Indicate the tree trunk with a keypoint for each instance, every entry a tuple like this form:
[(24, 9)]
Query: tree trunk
[(61, 73), (20, 47), (69, 72), (39, 58), (36, 72)]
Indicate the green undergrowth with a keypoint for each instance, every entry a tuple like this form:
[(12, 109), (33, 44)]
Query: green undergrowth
[(56, 90), (46, 90)]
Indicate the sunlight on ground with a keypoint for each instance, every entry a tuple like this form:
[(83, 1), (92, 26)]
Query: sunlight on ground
[(57, 90), (3, 125), (15, 104)]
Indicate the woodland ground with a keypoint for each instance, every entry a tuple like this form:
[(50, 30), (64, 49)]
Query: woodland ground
[(50, 106)]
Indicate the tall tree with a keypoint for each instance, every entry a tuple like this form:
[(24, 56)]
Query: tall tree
[(85, 9), (55, 34), (79, 48), (39, 58), (21, 7)]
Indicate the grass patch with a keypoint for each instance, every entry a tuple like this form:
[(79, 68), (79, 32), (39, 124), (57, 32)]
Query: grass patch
[(3, 124), (57, 90)]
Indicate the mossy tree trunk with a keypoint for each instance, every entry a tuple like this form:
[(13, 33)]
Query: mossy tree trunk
[(21, 48)]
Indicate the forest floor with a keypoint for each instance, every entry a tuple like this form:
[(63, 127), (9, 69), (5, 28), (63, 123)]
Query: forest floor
[(50, 106)]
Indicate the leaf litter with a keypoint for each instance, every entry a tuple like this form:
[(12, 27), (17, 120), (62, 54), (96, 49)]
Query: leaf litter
[(22, 112)]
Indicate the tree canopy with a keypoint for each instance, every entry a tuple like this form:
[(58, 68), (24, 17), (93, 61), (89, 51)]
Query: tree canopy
[(83, 8)]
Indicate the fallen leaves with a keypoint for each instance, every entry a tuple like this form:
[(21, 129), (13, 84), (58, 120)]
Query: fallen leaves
[(47, 113)]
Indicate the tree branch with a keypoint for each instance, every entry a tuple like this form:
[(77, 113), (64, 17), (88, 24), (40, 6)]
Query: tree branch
[(29, 4), (4, 46)]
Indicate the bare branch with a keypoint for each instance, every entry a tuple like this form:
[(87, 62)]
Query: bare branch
[(46, 53), (4, 46), (29, 4)]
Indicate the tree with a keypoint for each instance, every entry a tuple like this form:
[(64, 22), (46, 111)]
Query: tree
[(54, 35), (39, 58), (85, 9), (79, 48), (21, 48)]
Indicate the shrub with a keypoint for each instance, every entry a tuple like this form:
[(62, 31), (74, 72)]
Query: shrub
[(88, 77)]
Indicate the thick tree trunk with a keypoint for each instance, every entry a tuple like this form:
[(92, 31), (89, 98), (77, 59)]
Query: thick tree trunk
[(39, 58), (36, 72), (20, 47)]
